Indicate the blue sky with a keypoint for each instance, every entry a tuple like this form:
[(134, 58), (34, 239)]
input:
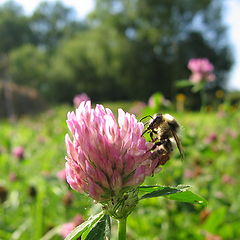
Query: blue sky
[(231, 19)]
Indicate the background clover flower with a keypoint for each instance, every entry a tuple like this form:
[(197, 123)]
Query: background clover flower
[(106, 156), (201, 70), (61, 175), (66, 228), (80, 98), (18, 152)]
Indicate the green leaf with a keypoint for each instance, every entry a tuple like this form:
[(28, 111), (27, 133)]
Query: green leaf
[(101, 230), (183, 83), (79, 230), (198, 86), (150, 188), (158, 191), (179, 193), (216, 219), (188, 196)]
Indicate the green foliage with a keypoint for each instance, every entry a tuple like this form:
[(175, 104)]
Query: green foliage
[(89, 63), (14, 27), (101, 231), (165, 36), (179, 193), (29, 66), (211, 167), (53, 22), (94, 226), (135, 47)]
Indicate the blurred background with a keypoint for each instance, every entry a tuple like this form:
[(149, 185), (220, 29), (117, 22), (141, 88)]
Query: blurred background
[(145, 56)]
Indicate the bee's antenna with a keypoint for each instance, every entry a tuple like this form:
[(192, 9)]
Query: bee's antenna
[(146, 117), (145, 124)]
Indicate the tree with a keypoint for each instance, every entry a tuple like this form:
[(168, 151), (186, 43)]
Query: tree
[(29, 66), (159, 33), (126, 49), (52, 22), (14, 27), (88, 63)]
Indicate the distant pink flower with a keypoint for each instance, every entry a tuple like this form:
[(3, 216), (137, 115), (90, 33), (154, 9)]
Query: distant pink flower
[(155, 101), (201, 65), (201, 70), (196, 77), (62, 175), (227, 179), (18, 152), (12, 177), (213, 237), (80, 98), (212, 137), (106, 155), (221, 113), (151, 102), (137, 107), (230, 132), (68, 227), (189, 173), (41, 139)]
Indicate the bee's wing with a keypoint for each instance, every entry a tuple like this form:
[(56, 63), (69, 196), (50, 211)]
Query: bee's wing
[(178, 142)]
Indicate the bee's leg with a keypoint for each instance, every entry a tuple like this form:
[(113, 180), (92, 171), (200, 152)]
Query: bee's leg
[(151, 135), (163, 152), (161, 156), (169, 146), (144, 132), (156, 144)]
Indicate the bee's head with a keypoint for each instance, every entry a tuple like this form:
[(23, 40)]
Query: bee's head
[(158, 120)]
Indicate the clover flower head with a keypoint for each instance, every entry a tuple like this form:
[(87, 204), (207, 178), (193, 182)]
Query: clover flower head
[(137, 107), (106, 156), (201, 69)]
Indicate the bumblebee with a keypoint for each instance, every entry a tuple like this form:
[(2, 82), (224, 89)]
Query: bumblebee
[(162, 130)]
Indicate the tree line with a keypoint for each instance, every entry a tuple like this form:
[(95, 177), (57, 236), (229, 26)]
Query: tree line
[(123, 49)]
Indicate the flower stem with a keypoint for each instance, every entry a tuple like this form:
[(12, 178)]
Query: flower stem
[(122, 229)]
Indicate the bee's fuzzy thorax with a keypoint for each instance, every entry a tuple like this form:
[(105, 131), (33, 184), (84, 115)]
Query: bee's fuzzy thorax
[(168, 117)]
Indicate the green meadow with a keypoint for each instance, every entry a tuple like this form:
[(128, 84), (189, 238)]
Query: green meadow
[(34, 202)]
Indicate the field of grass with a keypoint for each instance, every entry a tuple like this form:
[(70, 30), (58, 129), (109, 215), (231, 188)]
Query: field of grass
[(34, 202)]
